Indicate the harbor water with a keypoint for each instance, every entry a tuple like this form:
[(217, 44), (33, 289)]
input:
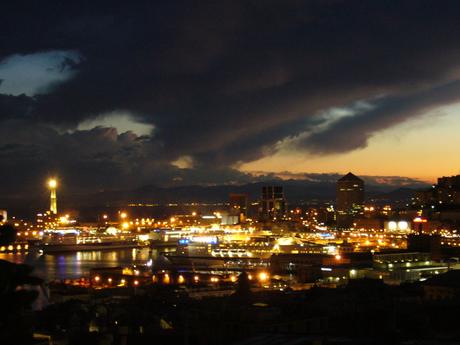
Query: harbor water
[(74, 265)]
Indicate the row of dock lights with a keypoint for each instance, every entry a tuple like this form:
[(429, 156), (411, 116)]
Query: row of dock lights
[(11, 247), (98, 280), (33, 233), (262, 277)]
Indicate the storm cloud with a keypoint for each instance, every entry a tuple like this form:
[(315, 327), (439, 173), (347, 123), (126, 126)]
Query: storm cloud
[(220, 83)]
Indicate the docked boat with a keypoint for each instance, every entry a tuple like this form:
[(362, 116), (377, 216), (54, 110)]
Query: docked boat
[(68, 240)]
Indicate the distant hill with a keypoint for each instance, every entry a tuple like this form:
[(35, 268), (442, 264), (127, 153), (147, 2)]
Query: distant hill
[(296, 192)]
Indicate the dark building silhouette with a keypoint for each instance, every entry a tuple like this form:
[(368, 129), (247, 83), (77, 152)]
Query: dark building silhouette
[(238, 204), (425, 244), (445, 193), (273, 202), (350, 199)]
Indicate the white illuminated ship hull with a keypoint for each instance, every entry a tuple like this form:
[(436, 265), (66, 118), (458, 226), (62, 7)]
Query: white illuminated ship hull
[(59, 248), (70, 240)]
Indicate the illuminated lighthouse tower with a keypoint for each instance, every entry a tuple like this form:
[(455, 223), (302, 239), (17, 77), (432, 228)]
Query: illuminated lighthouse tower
[(52, 184)]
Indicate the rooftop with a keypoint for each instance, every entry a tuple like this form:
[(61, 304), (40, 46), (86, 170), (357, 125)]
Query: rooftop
[(350, 177)]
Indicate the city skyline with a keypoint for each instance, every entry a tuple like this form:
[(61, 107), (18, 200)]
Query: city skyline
[(230, 172)]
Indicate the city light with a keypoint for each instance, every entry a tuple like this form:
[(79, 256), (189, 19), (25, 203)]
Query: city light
[(263, 277), (52, 183), (64, 219), (166, 279)]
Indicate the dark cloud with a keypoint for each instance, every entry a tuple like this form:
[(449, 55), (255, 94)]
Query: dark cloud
[(353, 132), (223, 82), (90, 160), (15, 107)]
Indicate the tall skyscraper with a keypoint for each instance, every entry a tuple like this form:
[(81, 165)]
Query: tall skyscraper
[(273, 202), (350, 199)]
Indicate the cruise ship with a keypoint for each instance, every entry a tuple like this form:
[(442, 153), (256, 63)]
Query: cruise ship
[(68, 240)]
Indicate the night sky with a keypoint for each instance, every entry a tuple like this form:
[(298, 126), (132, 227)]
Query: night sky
[(195, 92)]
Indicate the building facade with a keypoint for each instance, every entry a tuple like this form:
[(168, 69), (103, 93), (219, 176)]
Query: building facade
[(350, 200), (273, 202)]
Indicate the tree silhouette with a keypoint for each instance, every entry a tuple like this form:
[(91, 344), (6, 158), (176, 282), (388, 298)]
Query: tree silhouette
[(15, 298), (7, 234), (243, 292)]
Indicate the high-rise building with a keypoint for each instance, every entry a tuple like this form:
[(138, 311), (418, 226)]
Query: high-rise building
[(350, 199), (445, 193), (273, 202)]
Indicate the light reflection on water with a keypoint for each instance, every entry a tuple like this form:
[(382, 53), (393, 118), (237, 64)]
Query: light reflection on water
[(78, 264)]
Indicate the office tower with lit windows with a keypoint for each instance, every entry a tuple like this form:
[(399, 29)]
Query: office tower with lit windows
[(350, 200), (273, 202)]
